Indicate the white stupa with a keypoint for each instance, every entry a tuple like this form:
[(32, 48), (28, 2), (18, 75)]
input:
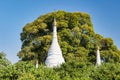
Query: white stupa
[(98, 59), (54, 57), (36, 64)]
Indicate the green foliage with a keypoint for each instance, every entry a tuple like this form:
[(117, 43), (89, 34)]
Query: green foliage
[(3, 60), (71, 70), (76, 37)]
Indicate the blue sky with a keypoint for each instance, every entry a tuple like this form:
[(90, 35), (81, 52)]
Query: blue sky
[(14, 14)]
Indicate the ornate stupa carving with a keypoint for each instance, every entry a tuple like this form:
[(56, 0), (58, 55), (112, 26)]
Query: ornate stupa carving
[(54, 57)]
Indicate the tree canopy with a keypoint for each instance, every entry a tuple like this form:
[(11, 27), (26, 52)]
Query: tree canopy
[(76, 36)]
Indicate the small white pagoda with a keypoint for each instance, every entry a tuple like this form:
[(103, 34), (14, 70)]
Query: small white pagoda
[(98, 58), (54, 57)]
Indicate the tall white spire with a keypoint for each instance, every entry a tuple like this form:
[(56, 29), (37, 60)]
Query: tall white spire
[(54, 57), (98, 59)]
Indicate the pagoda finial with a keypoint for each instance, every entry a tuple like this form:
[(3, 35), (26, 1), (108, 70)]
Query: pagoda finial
[(98, 48), (54, 22), (54, 16)]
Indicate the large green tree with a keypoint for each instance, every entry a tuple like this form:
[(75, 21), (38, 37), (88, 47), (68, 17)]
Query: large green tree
[(76, 37)]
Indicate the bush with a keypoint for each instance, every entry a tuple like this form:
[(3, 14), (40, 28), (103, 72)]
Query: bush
[(69, 71)]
